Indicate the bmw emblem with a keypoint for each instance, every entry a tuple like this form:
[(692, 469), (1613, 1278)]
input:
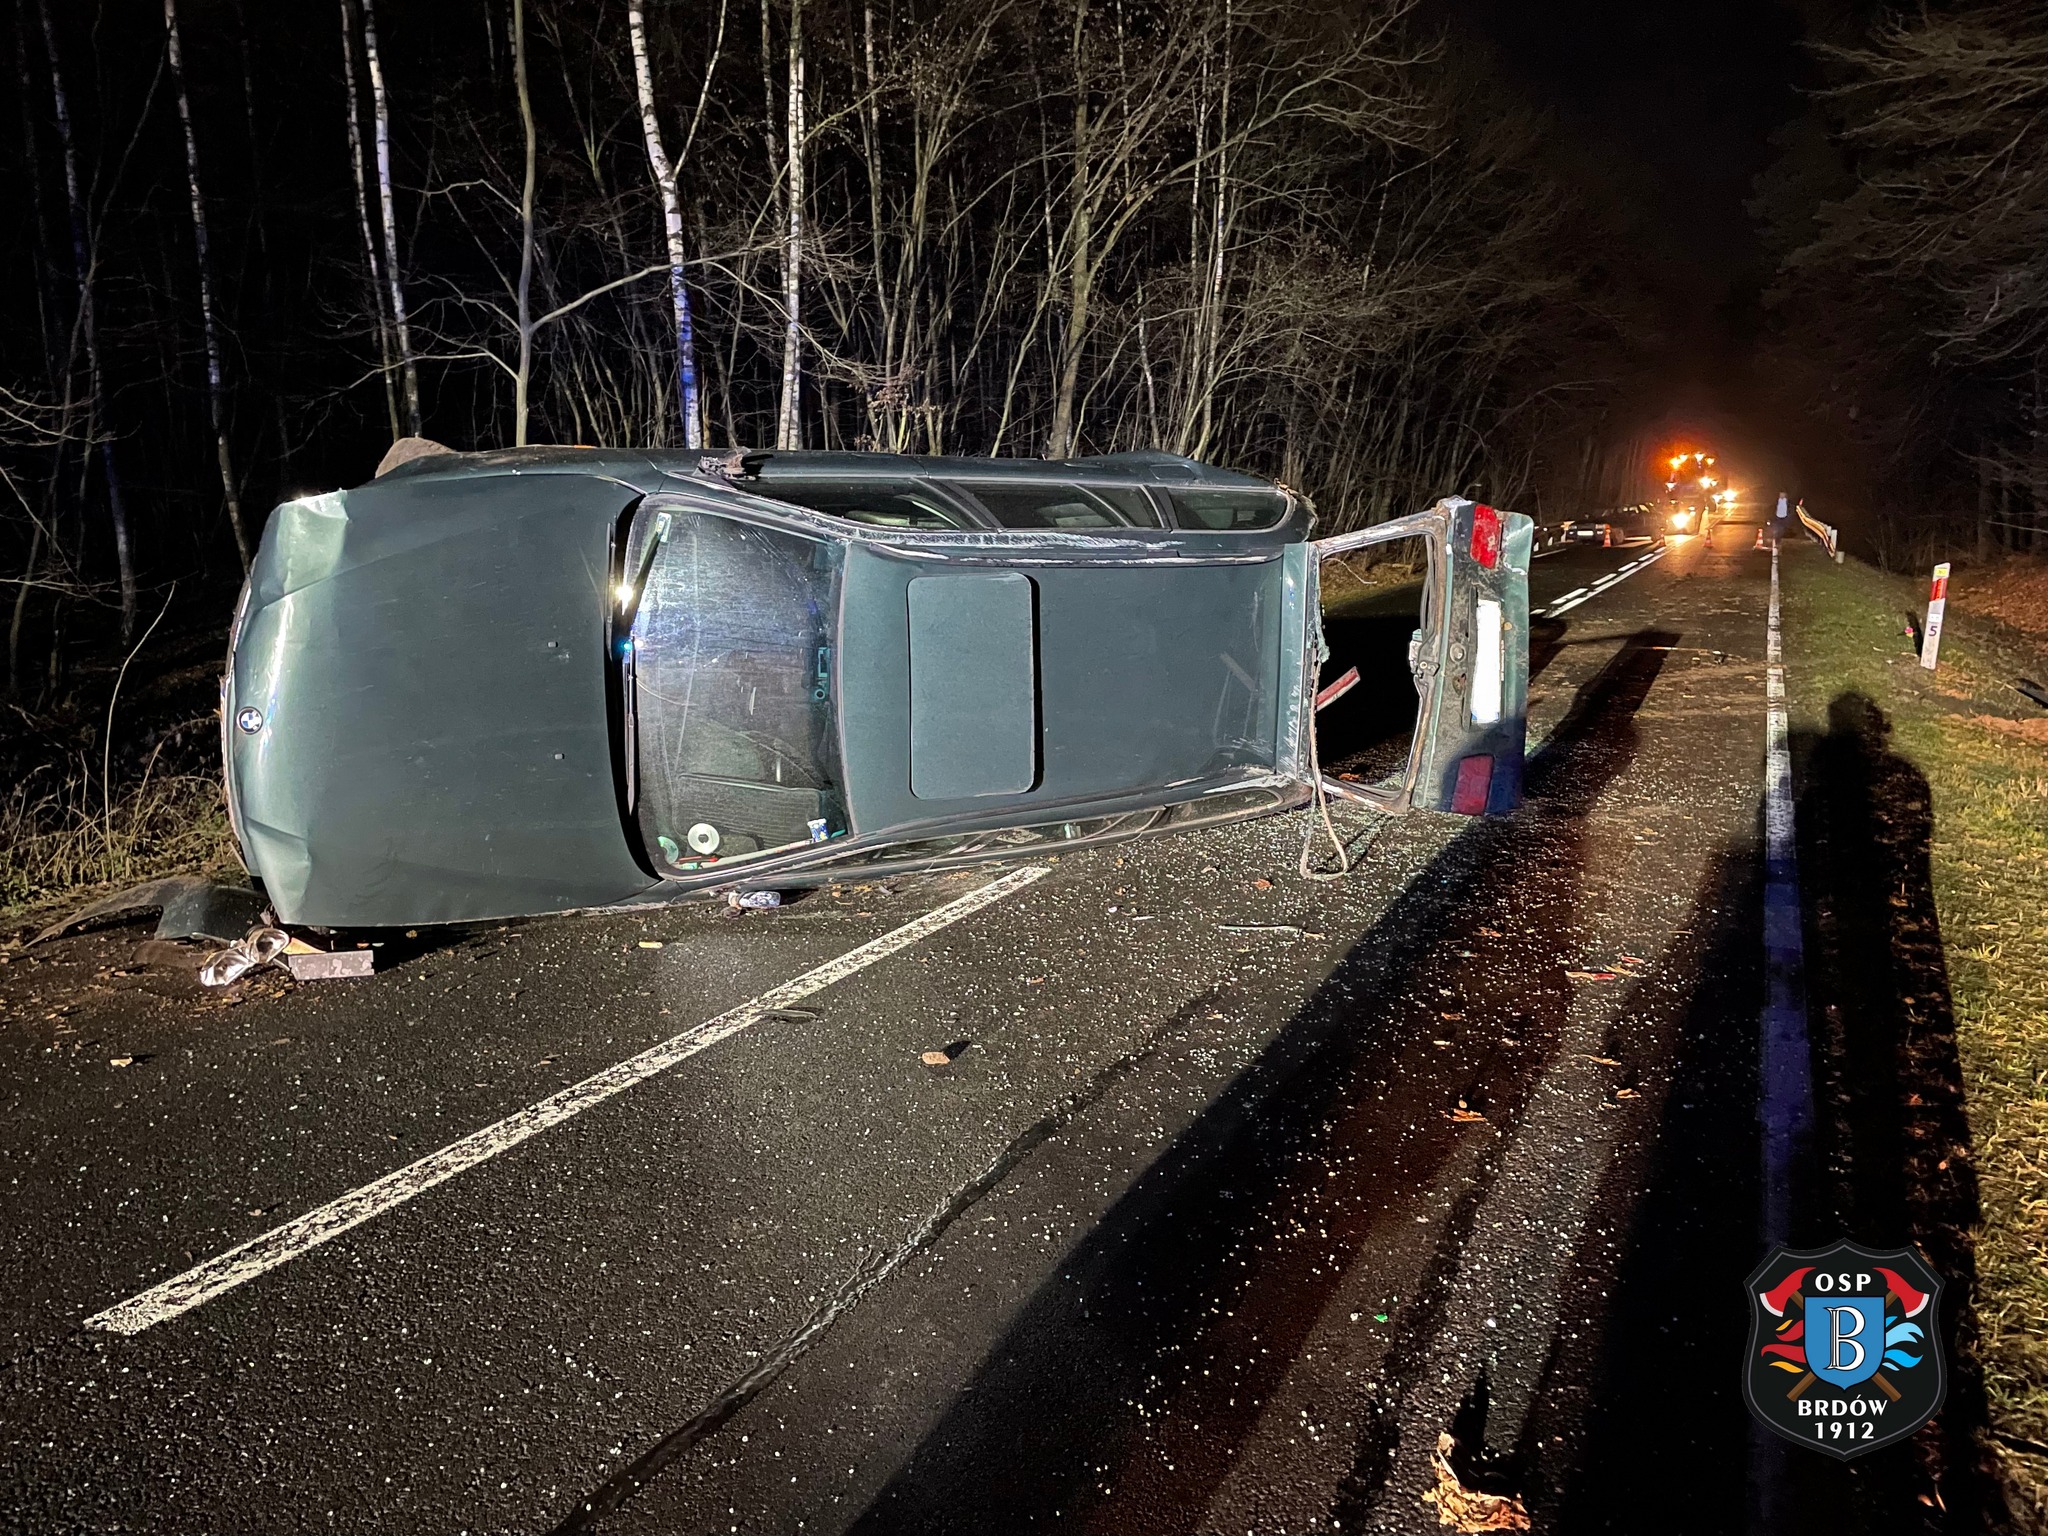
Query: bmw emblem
[(249, 718)]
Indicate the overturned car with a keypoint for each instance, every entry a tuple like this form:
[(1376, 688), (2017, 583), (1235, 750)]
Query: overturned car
[(539, 680)]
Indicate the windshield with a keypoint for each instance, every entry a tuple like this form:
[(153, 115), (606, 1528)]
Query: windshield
[(729, 688)]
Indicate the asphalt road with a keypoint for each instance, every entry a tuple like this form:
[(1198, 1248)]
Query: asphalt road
[(1236, 1190)]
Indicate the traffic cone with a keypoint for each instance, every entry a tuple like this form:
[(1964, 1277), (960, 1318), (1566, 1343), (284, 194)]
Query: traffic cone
[(1607, 535), (1759, 544)]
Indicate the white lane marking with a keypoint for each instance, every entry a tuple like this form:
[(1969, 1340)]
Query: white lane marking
[(1785, 1065), (203, 1282), (1570, 600), (1575, 592)]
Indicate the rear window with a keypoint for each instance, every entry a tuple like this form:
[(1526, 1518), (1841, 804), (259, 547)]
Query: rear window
[(1036, 504), (882, 503), (1228, 511)]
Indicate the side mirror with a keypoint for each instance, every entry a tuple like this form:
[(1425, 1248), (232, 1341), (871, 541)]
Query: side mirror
[(1469, 657)]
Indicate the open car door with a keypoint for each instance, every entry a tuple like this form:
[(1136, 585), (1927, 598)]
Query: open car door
[(1469, 657)]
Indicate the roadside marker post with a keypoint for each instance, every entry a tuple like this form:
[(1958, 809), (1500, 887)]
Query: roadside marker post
[(1937, 604)]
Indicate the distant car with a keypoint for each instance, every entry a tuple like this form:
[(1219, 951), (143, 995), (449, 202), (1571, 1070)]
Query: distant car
[(498, 684)]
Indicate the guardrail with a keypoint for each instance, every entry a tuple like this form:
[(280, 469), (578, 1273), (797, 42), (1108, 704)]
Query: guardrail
[(1830, 538)]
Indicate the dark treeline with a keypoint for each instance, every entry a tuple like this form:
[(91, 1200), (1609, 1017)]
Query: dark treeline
[(1909, 215), (253, 244)]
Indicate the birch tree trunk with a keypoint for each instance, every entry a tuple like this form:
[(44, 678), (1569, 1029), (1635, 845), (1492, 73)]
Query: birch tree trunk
[(1059, 443), (216, 389), (672, 220), (399, 324), (789, 424), (523, 379), (372, 266), (82, 260)]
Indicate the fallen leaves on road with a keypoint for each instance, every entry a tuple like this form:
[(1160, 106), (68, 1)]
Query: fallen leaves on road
[(122, 1061), (945, 1054), (1262, 884), (1469, 1509), (1601, 1061), (650, 943), (1464, 1114), (1600, 975)]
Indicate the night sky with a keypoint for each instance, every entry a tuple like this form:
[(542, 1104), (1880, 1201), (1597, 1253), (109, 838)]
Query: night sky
[(1664, 115)]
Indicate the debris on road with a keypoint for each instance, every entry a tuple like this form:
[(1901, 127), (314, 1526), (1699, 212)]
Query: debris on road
[(650, 943), (1469, 1509), (944, 1056), (122, 1061), (1465, 1115), (162, 955), (753, 901), (259, 946), (309, 964), (1599, 975), (191, 908)]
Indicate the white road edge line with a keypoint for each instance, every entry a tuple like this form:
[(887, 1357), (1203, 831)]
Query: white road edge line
[(1784, 1065), (205, 1281), (1568, 602)]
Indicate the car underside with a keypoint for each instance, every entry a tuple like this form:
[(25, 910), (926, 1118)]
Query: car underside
[(502, 684)]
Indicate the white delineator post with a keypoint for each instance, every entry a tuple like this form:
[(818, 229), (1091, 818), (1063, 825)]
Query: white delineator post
[(1937, 604)]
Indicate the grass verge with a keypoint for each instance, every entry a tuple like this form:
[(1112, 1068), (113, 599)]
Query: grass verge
[(61, 846), (1983, 749)]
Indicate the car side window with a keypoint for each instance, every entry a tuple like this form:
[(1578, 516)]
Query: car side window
[(1228, 511), (881, 503), (1048, 504)]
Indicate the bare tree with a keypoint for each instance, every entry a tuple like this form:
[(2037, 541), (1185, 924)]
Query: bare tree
[(373, 276), (523, 377), (97, 428), (216, 386), (671, 207), (400, 325), (789, 422)]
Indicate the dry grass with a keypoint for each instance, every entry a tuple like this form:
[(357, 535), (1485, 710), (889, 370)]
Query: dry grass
[(1348, 578), (61, 841), (1987, 766)]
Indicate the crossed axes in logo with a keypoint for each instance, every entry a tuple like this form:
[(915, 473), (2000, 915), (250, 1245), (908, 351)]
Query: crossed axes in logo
[(1775, 1301)]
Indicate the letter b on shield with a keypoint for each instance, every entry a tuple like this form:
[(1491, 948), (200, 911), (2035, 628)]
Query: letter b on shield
[(1845, 1338)]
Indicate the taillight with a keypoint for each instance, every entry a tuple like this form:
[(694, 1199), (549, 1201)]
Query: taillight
[(1485, 535), (1475, 780)]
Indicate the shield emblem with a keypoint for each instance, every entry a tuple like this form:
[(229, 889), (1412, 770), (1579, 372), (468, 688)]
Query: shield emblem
[(1845, 1347), (1844, 1338)]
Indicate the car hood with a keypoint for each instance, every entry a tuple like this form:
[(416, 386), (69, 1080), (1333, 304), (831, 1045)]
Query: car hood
[(418, 718)]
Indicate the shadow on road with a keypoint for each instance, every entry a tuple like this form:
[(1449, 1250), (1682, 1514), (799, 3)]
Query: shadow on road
[(1187, 1293), (1654, 1392)]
